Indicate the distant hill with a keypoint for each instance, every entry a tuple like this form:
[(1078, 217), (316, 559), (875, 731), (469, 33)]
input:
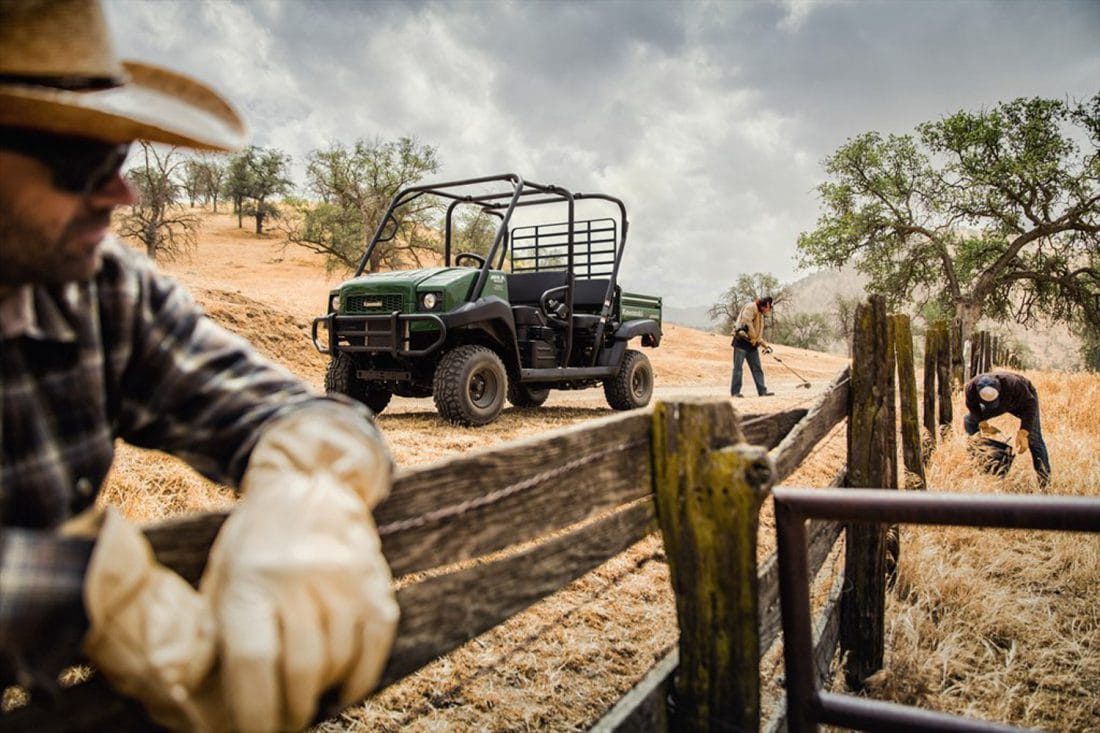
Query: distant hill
[(1045, 346), (694, 316), (816, 292)]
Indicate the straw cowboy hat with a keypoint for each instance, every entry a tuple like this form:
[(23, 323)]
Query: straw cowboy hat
[(59, 74)]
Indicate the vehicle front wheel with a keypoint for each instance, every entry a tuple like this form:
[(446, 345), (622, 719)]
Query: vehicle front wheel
[(632, 387), (521, 395), (469, 385), (340, 379)]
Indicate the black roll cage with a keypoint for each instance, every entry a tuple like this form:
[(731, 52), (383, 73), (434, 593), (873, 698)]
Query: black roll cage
[(516, 192)]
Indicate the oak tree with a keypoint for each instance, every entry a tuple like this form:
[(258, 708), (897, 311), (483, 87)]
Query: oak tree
[(353, 188), (988, 213), (254, 178), (747, 288)]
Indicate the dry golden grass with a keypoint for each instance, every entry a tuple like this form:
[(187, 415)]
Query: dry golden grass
[(1005, 625), (998, 625)]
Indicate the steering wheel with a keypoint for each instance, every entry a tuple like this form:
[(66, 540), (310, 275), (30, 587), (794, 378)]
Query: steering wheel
[(469, 256), (554, 310)]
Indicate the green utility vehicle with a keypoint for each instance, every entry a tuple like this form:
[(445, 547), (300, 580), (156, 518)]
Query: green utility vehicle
[(540, 310)]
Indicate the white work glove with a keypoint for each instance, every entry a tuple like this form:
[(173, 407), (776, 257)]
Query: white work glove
[(300, 589), (990, 431), (150, 633), (1021, 441)]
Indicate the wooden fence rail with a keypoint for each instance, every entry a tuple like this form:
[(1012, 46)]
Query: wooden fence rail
[(591, 487)]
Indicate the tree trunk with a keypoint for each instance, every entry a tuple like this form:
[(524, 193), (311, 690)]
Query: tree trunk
[(872, 463), (151, 240), (968, 312)]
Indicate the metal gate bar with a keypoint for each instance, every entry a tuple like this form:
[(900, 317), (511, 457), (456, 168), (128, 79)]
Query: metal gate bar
[(808, 706)]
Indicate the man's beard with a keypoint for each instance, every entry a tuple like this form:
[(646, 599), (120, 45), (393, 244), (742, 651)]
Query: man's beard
[(29, 257)]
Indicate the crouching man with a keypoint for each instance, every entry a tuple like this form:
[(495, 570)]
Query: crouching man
[(296, 600), (996, 393)]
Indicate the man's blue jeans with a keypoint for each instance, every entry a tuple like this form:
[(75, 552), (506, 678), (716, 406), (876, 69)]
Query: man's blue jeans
[(1040, 460), (752, 356)]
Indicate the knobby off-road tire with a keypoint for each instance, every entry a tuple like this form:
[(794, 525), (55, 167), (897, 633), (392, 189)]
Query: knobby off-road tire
[(469, 385), (340, 379), (632, 387), (521, 395)]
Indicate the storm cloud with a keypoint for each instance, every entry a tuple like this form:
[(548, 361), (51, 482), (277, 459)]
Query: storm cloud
[(710, 119)]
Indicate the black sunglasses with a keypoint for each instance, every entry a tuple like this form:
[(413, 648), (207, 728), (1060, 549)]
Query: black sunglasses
[(77, 164)]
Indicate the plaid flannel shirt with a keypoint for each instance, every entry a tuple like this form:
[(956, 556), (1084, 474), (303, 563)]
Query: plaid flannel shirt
[(126, 355)]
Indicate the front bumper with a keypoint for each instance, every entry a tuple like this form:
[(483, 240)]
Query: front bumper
[(385, 334)]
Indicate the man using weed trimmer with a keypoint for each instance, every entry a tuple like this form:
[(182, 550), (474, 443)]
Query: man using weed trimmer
[(748, 338), (995, 393)]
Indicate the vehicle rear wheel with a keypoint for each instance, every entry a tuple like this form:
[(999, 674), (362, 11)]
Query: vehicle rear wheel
[(632, 387), (469, 385), (521, 395), (340, 379)]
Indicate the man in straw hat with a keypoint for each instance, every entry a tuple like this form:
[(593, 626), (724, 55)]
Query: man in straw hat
[(97, 345), (996, 393)]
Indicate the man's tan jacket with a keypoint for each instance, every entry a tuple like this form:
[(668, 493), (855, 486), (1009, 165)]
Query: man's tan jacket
[(751, 317)]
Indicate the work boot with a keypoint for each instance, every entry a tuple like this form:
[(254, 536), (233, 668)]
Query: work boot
[(738, 394), (766, 394)]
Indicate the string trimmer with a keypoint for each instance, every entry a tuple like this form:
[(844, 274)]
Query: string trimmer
[(792, 371)]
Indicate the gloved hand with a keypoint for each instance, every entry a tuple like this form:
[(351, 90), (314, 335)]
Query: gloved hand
[(766, 348), (1021, 441), (150, 633), (987, 429), (300, 589)]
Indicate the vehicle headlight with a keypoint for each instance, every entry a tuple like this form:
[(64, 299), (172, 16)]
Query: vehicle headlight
[(429, 301), (334, 302)]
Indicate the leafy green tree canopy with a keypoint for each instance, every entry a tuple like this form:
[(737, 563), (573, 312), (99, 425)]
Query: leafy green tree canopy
[(804, 330), (992, 213), (354, 187), (254, 178), (748, 287)]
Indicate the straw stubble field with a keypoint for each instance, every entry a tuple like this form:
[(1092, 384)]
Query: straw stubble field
[(999, 625)]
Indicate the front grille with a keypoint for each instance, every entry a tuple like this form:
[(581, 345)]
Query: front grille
[(382, 303)]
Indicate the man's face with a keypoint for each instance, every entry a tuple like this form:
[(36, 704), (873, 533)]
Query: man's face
[(49, 235)]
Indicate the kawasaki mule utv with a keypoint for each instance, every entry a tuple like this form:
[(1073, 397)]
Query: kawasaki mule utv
[(540, 310)]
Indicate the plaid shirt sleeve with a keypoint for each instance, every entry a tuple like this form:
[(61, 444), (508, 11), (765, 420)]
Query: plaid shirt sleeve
[(42, 618), (129, 355), (184, 385)]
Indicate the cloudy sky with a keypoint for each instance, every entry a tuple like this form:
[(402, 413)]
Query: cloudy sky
[(710, 119)]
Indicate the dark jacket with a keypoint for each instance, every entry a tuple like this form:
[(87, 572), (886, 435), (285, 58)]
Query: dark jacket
[(1017, 397)]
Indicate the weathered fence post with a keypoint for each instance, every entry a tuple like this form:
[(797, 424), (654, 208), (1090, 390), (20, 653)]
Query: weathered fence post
[(957, 374), (931, 349), (907, 390), (872, 463), (987, 349), (975, 354), (943, 375), (709, 494)]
